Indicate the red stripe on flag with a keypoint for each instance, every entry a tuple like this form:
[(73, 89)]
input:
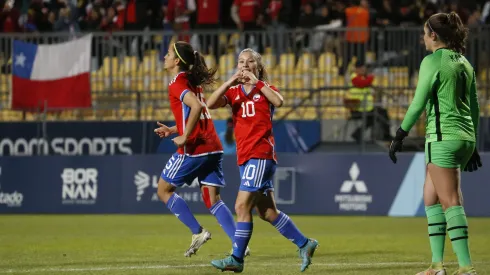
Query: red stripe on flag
[(70, 92)]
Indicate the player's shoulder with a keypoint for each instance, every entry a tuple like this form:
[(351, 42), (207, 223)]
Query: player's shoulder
[(179, 79), (233, 89)]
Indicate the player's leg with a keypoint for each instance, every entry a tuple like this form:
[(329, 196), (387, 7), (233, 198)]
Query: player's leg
[(211, 179), (436, 224), (177, 172), (267, 210), (244, 204), (444, 169), (220, 210)]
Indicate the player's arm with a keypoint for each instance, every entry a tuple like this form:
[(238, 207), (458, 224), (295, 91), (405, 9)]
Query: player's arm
[(474, 105), (218, 98), (274, 97), (191, 100), (427, 74)]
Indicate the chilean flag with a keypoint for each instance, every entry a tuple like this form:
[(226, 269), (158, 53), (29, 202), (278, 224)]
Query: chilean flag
[(57, 75)]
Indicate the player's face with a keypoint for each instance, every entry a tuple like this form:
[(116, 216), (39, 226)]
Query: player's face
[(246, 61), (170, 59)]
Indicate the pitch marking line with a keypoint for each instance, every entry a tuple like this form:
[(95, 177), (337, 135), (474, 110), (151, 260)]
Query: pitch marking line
[(143, 267)]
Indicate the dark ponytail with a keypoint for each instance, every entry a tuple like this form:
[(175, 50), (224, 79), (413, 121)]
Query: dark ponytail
[(450, 30), (193, 63)]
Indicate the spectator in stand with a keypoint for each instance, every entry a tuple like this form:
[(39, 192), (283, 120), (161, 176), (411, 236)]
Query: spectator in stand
[(67, 20), (178, 14), (208, 20), (137, 15), (37, 17), (9, 18), (278, 16), (362, 93), (246, 14), (357, 17), (307, 21)]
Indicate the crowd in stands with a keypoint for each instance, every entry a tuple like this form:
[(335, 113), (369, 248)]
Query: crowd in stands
[(109, 16), (135, 15)]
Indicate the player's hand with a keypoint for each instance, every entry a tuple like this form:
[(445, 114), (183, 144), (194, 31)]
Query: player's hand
[(249, 77), (397, 144), (163, 131), (180, 141), (473, 163), (235, 79)]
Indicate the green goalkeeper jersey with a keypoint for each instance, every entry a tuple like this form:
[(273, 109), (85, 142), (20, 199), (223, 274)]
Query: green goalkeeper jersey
[(447, 90)]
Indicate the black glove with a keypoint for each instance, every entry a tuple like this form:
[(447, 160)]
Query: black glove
[(397, 143), (473, 163)]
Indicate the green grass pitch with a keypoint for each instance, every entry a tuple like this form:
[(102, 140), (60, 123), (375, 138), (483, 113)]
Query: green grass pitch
[(155, 244)]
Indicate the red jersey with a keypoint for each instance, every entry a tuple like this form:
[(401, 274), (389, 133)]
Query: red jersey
[(252, 120), (248, 10), (208, 11), (203, 140)]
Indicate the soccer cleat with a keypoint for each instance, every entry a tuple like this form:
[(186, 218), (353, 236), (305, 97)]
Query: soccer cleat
[(306, 253), (228, 264), (197, 241), (247, 252), (465, 271), (434, 269)]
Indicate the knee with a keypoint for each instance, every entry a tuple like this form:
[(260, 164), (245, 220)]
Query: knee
[(450, 201), (241, 209), (163, 192)]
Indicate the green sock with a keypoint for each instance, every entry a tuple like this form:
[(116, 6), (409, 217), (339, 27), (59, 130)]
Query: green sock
[(437, 231), (457, 228)]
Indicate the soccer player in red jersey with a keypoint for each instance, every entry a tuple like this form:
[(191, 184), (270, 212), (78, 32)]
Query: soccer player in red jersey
[(252, 101), (200, 153)]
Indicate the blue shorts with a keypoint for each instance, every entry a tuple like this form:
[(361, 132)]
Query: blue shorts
[(256, 175), (182, 169)]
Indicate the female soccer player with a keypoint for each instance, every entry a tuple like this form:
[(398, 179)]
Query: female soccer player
[(252, 102), (200, 152), (447, 88)]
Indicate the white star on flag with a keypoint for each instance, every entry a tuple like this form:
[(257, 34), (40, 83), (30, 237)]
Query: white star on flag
[(20, 60)]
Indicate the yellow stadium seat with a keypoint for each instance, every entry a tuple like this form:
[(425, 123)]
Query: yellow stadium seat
[(210, 61), (287, 63), (130, 65), (226, 66), (306, 63), (326, 62), (269, 61)]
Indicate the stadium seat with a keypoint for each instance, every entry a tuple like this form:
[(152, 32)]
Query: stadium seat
[(306, 63), (226, 66), (286, 63), (210, 61)]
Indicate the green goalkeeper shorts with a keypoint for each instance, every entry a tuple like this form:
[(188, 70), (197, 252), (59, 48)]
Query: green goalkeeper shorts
[(449, 153)]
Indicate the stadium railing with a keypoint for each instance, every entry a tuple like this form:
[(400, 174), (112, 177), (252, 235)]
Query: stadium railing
[(311, 67)]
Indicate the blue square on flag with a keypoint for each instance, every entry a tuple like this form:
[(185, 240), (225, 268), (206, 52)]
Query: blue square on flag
[(23, 59)]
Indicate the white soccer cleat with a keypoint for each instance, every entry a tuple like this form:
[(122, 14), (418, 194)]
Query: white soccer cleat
[(197, 241)]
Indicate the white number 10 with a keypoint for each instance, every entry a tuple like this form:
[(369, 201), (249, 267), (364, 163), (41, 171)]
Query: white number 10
[(248, 109)]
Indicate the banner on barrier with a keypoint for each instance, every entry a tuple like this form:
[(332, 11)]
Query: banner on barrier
[(127, 138), (304, 184)]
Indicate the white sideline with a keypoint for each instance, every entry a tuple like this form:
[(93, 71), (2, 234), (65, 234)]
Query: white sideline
[(143, 267)]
